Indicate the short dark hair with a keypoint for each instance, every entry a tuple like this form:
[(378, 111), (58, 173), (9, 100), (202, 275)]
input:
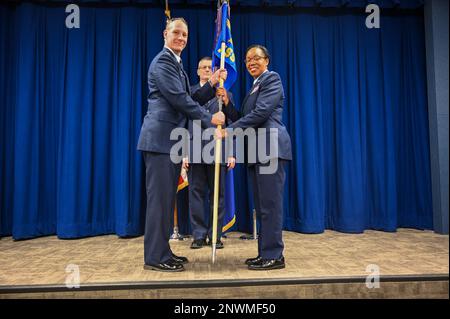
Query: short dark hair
[(170, 21), (261, 47)]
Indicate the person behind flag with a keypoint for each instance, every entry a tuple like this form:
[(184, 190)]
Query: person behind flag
[(169, 104), (263, 109), (201, 174)]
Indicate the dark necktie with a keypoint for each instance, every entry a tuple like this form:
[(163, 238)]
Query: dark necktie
[(186, 80)]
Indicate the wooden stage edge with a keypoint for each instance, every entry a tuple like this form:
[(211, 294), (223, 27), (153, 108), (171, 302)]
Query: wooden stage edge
[(393, 287), (219, 283)]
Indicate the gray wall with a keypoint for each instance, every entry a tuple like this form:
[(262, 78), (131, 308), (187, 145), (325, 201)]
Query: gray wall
[(436, 32)]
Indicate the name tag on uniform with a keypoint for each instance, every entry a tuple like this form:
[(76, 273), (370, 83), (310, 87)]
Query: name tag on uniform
[(255, 89)]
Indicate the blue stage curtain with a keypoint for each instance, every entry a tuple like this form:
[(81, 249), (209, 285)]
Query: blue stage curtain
[(7, 93), (73, 100)]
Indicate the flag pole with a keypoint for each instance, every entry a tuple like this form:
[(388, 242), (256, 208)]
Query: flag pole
[(167, 11), (176, 233), (218, 156), (217, 167)]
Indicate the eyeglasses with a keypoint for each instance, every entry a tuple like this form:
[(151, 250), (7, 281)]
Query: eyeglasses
[(205, 67), (256, 58)]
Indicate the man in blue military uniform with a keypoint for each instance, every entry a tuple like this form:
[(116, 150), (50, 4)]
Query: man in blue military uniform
[(169, 106), (201, 173)]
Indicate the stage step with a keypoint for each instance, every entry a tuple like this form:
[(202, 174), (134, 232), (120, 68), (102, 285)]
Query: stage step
[(424, 286)]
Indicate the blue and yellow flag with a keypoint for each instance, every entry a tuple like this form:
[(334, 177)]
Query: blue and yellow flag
[(230, 206), (223, 34)]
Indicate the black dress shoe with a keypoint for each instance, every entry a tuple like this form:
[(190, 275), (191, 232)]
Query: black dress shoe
[(198, 243), (268, 264), (179, 259), (219, 244), (252, 261), (168, 266)]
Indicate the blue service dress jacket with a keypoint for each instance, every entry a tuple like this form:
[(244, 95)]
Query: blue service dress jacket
[(170, 104), (263, 108)]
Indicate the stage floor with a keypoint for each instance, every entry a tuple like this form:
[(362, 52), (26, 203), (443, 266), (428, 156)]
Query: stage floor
[(109, 259)]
